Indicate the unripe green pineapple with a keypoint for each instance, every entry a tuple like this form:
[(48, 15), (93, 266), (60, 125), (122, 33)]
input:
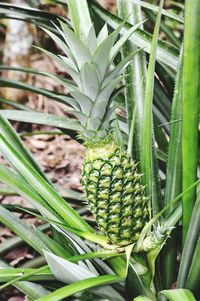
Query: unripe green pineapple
[(114, 192), (111, 182)]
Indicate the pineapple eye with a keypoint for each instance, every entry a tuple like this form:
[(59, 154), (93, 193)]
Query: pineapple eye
[(139, 188), (145, 200), (137, 177), (116, 197), (126, 232), (118, 174), (91, 198), (127, 221), (91, 188), (138, 212), (114, 218), (129, 176), (129, 188), (113, 228), (115, 161), (106, 169), (138, 225), (102, 223), (127, 210), (117, 186), (145, 211), (102, 204), (116, 208), (92, 208), (94, 175), (113, 237), (138, 199), (104, 194), (87, 168), (136, 236), (128, 199), (97, 164), (104, 182), (101, 212), (126, 163)]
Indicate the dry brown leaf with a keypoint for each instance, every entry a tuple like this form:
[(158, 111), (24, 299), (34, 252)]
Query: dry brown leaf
[(5, 233), (17, 255), (108, 4)]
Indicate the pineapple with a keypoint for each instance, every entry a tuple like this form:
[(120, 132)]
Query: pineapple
[(110, 179), (113, 189)]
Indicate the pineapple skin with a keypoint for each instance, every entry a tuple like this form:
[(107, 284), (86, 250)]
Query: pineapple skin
[(113, 190)]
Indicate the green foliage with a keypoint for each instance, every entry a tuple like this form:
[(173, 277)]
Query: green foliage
[(160, 131)]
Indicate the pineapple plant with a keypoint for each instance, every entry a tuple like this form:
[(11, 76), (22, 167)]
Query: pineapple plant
[(110, 179), (112, 184)]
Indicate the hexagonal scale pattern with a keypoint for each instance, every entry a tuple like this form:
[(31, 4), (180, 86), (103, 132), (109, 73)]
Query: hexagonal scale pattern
[(115, 195)]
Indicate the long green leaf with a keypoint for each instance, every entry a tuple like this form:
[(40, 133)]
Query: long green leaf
[(134, 76), (173, 181), (66, 271), (148, 154), (71, 289), (154, 8), (24, 86), (101, 240), (19, 184), (166, 53), (23, 276), (191, 88), (9, 134), (189, 247), (65, 82), (142, 298), (15, 104), (192, 282), (31, 290), (10, 274), (178, 294), (62, 122), (44, 188), (21, 229), (17, 241), (165, 29), (134, 283), (69, 272), (36, 16), (80, 16), (54, 246), (66, 193)]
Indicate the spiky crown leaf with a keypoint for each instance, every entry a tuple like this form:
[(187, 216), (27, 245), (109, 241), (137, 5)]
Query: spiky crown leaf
[(89, 61)]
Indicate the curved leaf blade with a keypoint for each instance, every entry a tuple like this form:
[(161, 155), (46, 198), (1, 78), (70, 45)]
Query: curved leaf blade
[(190, 100), (166, 53), (42, 118), (44, 188), (73, 288), (148, 152), (177, 294)]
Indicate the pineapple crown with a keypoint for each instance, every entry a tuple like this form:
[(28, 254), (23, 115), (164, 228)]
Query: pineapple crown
[(89, 60)]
